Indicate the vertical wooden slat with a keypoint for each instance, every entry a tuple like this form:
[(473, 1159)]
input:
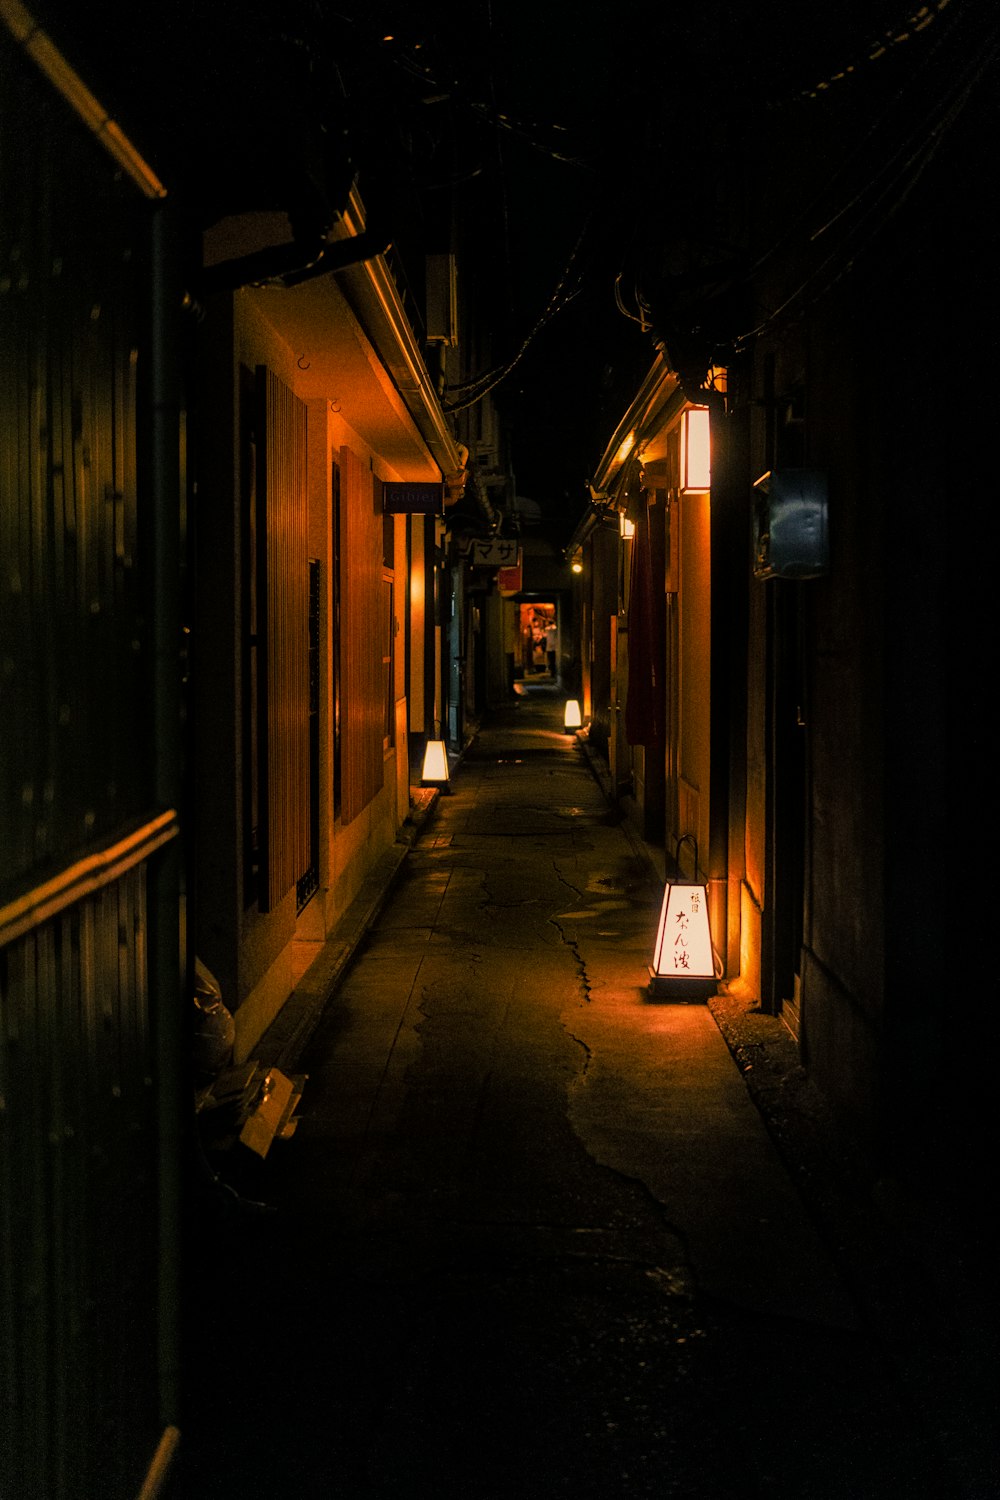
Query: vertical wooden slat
[(71, 619), (78, 1167), (283, 593), (78, 1194), (36, 1331)]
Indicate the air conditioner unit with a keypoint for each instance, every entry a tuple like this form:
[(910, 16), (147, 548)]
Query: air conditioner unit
[(791, 538), (442, 300)]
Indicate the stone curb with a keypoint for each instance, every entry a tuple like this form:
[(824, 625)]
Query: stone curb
[(286, 1038)]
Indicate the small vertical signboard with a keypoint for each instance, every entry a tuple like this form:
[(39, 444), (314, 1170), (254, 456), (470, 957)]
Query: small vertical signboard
[(509, 579), (400, 499)]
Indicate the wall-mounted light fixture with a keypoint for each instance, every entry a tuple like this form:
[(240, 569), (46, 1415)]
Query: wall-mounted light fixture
[(576, 565), (683, 965), (696, 451), (572, 718), (626, 528)]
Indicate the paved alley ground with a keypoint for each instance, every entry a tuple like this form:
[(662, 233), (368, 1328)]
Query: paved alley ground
[(532, 1237)]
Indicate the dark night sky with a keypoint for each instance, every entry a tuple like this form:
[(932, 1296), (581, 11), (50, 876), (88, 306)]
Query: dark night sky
[(570, 136), (540, 118), (578, 123)]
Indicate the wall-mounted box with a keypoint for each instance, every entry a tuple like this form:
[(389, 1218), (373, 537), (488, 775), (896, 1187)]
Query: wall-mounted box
[(442, 300), (791, 536)]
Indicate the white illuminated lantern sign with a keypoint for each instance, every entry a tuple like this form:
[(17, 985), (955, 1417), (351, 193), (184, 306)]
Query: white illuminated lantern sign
[(572, 719), (683, 959), (435, 770)]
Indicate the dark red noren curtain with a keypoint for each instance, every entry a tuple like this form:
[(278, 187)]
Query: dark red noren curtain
[(645, 706)]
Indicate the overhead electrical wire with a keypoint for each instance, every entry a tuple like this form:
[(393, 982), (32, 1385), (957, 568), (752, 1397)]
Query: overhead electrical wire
[(876, 129), (466, 393), (894, 182), (455, 89), (904, 31), (438, 87), (883, 192), (502, 175), (894, 179)]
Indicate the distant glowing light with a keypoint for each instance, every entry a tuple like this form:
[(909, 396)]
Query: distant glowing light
[(576, 566)]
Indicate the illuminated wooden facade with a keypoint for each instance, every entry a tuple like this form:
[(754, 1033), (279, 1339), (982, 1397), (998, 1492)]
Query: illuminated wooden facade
[(306, 618), (819, 741), (207, 626)]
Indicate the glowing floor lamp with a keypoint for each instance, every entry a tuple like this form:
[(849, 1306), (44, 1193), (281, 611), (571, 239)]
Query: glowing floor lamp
[(435, 769), (572, 719), (683, 965)]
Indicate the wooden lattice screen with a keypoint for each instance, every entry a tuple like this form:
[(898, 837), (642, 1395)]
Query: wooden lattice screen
[(86, 1245), (283, 592), (362, 638)]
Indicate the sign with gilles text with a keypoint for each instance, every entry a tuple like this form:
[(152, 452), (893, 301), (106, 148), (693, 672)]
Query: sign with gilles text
[(400, 499)]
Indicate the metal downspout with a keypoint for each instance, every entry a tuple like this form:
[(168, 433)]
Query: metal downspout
[(165, 879), (290, 265)]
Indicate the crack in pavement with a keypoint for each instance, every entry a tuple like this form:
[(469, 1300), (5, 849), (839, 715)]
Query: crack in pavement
[(571, 943), (588, 1053)]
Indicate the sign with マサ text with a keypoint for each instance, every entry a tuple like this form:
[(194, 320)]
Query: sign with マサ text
[(498, 552)]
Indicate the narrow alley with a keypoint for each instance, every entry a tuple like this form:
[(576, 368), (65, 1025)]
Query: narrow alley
[(405, 375), (531, 1237)]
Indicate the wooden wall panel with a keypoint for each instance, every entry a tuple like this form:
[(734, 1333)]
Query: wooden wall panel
[(362, 637), (83, 1201), (78, 1200), (74, 581), (283, 592)]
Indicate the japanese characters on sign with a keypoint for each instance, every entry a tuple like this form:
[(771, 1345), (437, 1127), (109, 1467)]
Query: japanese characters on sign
[(497, 552), (684, 942)]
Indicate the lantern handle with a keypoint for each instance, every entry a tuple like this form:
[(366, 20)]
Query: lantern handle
[(686, 838), (689, 838)]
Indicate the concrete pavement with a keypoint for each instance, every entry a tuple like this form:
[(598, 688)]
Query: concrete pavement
[(533, 1236)]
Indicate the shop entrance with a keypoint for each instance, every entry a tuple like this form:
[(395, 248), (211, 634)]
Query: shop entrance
[(538, 641)]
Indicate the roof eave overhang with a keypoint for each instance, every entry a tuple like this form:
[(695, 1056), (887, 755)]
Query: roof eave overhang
[(353, 345), (654, 402), (372, 293), (659, 392)]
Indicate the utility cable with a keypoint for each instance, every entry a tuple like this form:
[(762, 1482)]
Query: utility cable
[(908, 174), (468, 392), (875, 130)]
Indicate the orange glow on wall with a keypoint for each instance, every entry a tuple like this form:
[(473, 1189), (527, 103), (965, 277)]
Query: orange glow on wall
[(625, 448), (696, 451)]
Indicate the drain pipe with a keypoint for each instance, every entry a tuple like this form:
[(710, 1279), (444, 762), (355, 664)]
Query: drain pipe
[(165, 878), (39, 46), (309, 255)]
